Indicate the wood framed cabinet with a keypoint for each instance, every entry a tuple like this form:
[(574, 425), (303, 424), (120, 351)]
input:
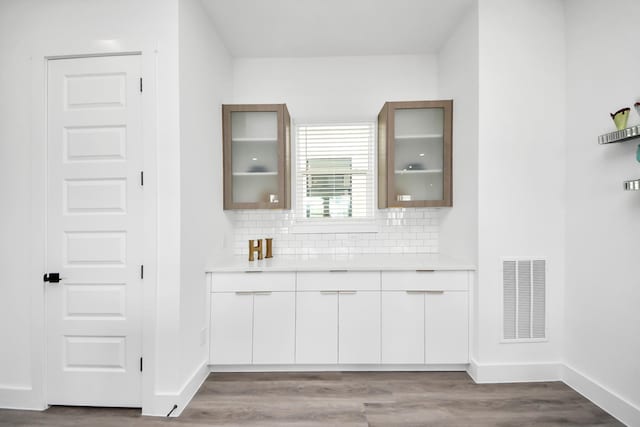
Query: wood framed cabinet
[(415, 154), (256, 156)]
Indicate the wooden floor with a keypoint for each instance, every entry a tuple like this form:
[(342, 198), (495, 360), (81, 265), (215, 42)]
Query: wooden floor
[(349, 399)]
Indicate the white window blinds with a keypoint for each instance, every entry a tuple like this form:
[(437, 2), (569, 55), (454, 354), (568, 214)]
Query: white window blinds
[(334, 167)]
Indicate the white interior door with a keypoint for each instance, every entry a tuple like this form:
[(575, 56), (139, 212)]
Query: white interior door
[(94, 231)]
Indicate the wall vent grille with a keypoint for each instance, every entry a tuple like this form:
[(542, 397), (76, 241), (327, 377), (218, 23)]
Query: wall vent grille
[(524, 299)]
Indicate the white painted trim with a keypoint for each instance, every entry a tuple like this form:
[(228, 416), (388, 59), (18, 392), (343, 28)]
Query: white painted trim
[(164, 402), (337, 367), (20, 397), (33, 396), (620, 408), (514, 372)]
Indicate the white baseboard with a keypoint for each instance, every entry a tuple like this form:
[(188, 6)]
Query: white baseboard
[(514, 372), (611, 402), (163, 403), (336, 368), (21, 397)]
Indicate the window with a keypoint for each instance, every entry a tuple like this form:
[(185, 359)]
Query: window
[(334, 179)]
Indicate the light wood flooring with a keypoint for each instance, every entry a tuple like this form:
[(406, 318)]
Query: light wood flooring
[(349, 399)]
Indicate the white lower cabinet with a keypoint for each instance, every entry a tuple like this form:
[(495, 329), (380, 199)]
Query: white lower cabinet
[(252, 318), (274, 327), (252, 328), (231, 328), (338, 327), (326, 318), (402, 331), (317, 327), (359, 327), (425, 317), (446, 327), (338, 317)]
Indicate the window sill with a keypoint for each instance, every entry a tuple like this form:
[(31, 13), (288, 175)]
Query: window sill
[(328, 227)]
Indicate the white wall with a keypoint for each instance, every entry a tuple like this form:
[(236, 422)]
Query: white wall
[(41, 27), (602, 339), (335, 88), (15, 186), (521, 172), (458, 80), (205, 83)]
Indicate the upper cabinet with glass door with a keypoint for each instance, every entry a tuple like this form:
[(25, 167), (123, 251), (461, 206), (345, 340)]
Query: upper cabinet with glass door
[(256, 142), (414, 154)]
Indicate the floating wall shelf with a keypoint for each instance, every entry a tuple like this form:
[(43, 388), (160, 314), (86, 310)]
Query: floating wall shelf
[(623, 136), (620, 135)]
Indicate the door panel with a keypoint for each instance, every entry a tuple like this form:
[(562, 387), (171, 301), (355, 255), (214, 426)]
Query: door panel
[(446, 327), (402, 327), (359, 330), (231, 328), (274, 317), (316, 327), (94, 231)]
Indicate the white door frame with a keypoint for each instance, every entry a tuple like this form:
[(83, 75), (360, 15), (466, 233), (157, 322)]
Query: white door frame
[(36, 394)]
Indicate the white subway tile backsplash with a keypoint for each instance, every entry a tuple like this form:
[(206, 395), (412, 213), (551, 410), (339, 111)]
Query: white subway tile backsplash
[(405, 230)]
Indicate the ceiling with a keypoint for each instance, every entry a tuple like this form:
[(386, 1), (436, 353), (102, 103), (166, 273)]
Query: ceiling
[(304, 28)]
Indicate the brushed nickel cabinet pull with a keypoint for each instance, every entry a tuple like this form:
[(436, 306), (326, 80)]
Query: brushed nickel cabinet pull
[(415, 292), (337, 271), (328, 292), (425, 271), (244, 293), (435, 292), (253, 271)]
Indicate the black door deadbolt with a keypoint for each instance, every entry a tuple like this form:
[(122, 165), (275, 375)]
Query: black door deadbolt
[(51, 277)]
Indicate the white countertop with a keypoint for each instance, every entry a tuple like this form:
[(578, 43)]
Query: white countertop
[(358, 262)]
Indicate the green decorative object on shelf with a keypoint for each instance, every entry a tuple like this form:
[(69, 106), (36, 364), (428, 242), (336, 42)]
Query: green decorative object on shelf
[(638, 154), (620, 117)]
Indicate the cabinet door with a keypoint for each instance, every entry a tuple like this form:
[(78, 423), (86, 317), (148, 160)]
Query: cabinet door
[(256, 149), (317, 327), (274, 327), (402, 327), (359, 327), (446, 327), (415, 154), (231, 328)]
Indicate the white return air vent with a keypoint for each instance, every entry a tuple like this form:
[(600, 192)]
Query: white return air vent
[(524, 299)]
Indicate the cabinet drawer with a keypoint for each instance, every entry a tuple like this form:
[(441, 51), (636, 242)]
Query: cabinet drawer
[(424, 280), (258, 281), (339, 281)]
